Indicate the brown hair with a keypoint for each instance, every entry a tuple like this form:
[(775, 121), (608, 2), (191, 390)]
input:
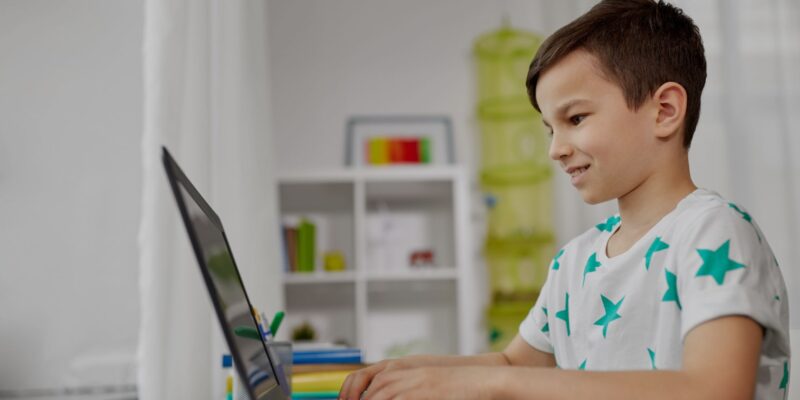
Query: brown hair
[(640, 45)]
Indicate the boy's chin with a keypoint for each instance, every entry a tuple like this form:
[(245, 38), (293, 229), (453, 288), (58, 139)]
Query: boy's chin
[(593, 198)]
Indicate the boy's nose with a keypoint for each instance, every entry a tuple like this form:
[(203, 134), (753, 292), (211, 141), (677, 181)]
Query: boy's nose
[(559, 148)]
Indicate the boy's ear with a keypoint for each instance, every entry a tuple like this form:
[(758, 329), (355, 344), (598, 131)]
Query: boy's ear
[(670, 100)]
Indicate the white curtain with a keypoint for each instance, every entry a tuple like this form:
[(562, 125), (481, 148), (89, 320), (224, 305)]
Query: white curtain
[(206, 99)]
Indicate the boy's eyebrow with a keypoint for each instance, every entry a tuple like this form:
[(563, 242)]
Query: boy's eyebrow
[(565, 107)]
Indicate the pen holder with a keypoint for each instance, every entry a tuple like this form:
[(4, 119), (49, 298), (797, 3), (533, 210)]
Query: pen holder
[(281, 355)]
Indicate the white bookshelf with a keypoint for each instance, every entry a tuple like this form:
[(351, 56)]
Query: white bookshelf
[(386, 308)]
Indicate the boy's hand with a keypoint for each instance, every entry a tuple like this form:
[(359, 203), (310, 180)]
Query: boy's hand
[(358, 381), (431, 383)]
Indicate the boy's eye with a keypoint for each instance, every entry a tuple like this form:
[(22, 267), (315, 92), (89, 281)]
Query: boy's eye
[(576, 119)]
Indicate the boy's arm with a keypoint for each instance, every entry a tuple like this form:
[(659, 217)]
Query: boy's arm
[(518, 353), (720, 360)]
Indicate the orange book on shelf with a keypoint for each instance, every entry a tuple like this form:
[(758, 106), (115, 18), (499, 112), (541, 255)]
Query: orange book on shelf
[(396, 151)]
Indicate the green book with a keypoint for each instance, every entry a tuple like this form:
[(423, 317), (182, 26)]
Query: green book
[(425, 150), (306, 236)]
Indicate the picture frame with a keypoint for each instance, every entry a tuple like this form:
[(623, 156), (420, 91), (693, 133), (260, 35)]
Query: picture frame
[(379, 140)]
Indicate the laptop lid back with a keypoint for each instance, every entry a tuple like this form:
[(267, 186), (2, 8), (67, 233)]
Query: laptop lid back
[(254, 363)]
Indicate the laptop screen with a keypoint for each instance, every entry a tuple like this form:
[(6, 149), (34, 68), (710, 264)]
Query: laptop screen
[(225, 287)]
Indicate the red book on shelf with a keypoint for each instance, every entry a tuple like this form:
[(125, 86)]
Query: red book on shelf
[(411, 150), (291, 247)]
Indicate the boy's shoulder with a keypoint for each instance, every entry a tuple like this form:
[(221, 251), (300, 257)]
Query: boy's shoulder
[(700, 210), (705, 210)]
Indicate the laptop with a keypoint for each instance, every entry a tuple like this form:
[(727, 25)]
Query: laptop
[(259, 369)]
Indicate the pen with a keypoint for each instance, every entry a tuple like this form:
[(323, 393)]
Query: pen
[(276, 322)]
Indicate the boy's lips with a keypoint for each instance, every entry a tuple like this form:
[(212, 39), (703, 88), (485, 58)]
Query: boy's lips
[(576, 169), (577, 173)]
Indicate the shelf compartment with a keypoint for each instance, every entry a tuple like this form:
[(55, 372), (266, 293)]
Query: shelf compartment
[(404, 217), (329, 308), (405, 318), (330, 207)]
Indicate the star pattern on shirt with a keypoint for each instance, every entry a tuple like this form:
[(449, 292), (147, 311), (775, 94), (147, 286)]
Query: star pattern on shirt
[(716, 263), (546, 327), (582, 367), (611, 309), (652, 355), (672, 289), (556, 265), (591, 265), (609, 224), (564, 314), (746, 217), (657, 245), (785, 379)]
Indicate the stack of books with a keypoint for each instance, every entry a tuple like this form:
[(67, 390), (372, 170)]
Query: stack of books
[(397, 150), (299, 246), (319, 373)]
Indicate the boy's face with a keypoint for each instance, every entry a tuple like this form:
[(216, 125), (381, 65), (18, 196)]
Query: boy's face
[(606, 148)]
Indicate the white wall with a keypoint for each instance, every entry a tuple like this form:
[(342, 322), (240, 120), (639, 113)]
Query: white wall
[(70, 133)]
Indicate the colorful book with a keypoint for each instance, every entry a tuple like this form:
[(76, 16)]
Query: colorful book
[(330, 381), (306, 254), (316, 395), (291, 247), (378, 151), (425, 151), (299, 369), (332, 356)]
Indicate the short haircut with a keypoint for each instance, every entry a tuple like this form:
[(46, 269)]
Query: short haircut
[(640, 45)]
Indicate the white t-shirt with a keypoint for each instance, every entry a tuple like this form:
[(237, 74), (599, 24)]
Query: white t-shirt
[(706, 259)]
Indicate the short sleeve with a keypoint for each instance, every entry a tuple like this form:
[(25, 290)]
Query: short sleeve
[(535, 328), (724, 268)]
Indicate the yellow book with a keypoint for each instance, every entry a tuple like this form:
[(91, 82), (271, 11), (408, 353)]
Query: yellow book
[(378, 151), (328, 381)]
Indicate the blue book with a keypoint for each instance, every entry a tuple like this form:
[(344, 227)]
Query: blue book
[(340, 356)]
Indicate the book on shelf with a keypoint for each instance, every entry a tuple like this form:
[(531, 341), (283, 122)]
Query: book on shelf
[(327, 356), (299, 246), (306, 233), (323, 370)]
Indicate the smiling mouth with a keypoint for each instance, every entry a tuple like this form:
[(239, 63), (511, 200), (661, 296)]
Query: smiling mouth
[(579, 171)]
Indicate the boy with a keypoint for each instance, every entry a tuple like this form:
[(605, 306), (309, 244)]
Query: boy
[(678, 296)]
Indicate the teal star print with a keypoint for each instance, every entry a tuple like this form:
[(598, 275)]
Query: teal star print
[(746, 217), (716, 263), (657, 245), (672, 289), (583, 365), (591, 265), (564, 314), (785, 379), (556, 265), (611, 313), (609, 225), (652, 357), (546, 327)]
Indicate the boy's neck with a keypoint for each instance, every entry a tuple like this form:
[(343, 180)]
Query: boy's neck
[(644, 206)]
